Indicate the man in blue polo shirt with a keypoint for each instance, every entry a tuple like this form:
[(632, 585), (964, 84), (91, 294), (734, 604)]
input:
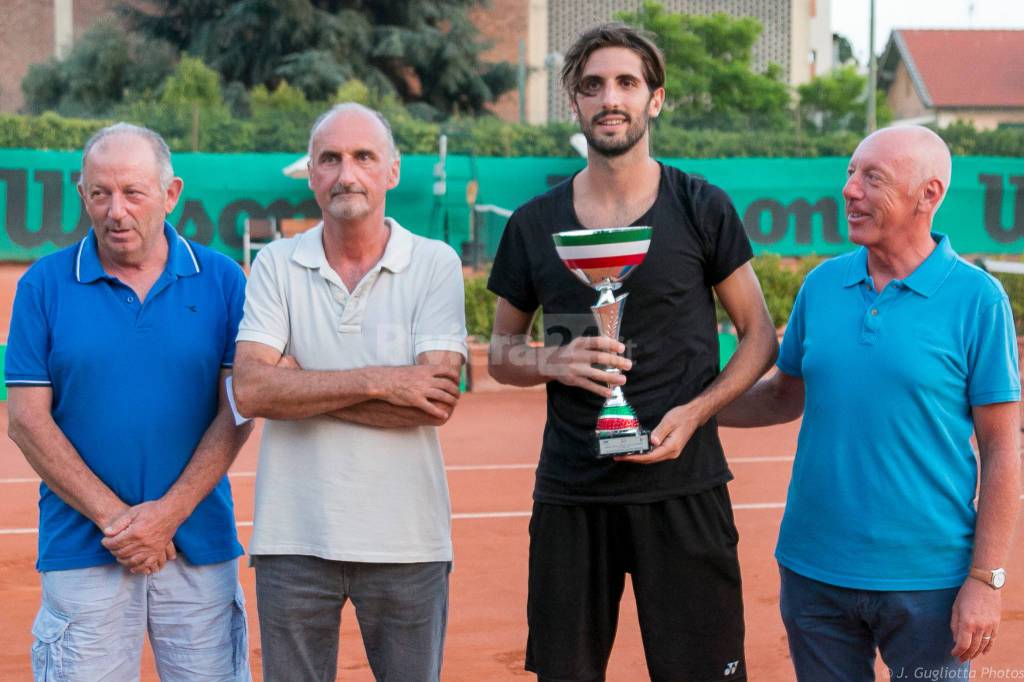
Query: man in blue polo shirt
[(116, 356), (895, 353)]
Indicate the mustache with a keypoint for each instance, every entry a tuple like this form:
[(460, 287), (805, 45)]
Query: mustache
[(341, 188), (618, 113)]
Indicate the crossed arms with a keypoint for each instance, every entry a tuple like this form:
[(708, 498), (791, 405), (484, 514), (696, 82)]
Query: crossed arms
[(270, 384), (139, 536)]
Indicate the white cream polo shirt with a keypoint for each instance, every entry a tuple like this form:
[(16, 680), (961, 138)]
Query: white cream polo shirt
[(326, 487)]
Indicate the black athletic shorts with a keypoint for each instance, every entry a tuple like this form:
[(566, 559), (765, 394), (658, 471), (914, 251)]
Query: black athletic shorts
[(681, 555)]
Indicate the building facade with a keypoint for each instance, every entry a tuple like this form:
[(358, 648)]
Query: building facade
[(34, 31), (796, 35)]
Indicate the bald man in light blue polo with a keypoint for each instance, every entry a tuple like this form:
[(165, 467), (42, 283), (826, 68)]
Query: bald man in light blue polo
[(895, 354)]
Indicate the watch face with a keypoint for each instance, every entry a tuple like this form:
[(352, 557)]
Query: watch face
[(998, 579)]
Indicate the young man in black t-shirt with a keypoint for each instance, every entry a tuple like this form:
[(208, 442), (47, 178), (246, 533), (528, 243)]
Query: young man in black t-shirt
[(664, 516)]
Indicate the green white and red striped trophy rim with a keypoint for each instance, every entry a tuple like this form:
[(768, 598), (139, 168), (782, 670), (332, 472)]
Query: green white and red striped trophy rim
[(615, 419), (604, 255)]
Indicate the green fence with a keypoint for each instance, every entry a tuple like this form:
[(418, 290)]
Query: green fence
[(789, 206)]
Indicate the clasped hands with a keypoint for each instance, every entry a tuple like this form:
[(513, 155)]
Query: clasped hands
[(141, 536)]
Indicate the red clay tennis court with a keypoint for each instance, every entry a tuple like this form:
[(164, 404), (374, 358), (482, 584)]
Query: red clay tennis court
[(491, 446)]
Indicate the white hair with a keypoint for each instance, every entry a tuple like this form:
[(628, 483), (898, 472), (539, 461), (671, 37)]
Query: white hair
[(160, 149), (352, 106)]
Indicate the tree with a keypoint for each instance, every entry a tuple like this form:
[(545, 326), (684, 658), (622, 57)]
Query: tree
[(103, 68), (192, 83), (710, 79), (838, 101), (193, 86), (844, 50), (43, 85), (423, 51)]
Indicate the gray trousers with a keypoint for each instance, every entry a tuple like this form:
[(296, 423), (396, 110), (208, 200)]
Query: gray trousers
[(402, 610)]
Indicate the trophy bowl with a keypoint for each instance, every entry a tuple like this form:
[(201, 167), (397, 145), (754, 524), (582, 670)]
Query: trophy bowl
[(602, 259)]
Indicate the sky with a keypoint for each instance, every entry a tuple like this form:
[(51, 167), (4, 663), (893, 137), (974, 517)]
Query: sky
[(850, 18)]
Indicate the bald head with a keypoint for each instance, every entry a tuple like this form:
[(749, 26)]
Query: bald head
[(346, 109), (918, 153)]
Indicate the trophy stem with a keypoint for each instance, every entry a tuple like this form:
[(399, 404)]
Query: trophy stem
[(618, 428), (608, 313), (617, 399), (606, 292)]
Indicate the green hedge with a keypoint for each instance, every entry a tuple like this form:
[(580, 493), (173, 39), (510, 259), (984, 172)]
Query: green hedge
[(46, 131), (780, 280), (709, 144), (480, 303), (285, 129), (479, 307)]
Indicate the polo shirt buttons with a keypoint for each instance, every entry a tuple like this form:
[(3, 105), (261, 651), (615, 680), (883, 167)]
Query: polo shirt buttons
[(130, 299), (872, 323)]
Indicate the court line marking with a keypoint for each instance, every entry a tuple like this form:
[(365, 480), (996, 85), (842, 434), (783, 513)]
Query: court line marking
[(459, 467), (459, 516), (462, 516)]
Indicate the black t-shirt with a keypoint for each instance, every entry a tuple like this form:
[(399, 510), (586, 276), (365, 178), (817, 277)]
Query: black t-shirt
[(668, 327)]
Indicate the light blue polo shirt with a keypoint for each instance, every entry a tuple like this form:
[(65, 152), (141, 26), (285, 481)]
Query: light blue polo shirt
[(881, 496), (135, 386)]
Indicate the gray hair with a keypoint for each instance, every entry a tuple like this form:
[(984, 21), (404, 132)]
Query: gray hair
[(160, 149), (352, 106)]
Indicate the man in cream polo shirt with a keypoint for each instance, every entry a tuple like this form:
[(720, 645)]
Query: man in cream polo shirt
[(350, 346)]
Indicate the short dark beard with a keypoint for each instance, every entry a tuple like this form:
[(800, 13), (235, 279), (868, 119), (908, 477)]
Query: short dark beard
[(612, 148)]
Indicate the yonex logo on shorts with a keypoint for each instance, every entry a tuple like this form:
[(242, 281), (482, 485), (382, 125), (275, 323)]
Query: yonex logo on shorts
[(731, 667)]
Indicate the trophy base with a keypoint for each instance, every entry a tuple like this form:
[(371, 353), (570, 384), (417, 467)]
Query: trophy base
[(627, 444), (618, 429)]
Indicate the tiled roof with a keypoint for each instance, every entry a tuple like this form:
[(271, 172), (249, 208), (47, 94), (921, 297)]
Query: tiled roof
[(965, 68)]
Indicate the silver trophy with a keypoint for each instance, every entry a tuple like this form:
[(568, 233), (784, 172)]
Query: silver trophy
[(602, 259)]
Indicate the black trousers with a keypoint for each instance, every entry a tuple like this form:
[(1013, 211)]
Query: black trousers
[(681, 556)]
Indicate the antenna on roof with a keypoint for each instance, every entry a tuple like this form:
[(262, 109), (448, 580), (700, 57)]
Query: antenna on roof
[(872, 122)]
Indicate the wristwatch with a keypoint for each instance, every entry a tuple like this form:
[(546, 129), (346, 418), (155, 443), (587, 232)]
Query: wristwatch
[(994, 578)]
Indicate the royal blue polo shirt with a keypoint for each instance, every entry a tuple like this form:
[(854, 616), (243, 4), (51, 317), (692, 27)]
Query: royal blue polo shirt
[(135, 385), (881, 496)]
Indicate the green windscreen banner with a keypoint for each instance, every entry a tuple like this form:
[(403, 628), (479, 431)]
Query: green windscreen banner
[(788, 206)]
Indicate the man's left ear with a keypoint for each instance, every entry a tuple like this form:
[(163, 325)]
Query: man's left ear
[(396, 172), (656, 103), (931, 196), (173, 194)]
